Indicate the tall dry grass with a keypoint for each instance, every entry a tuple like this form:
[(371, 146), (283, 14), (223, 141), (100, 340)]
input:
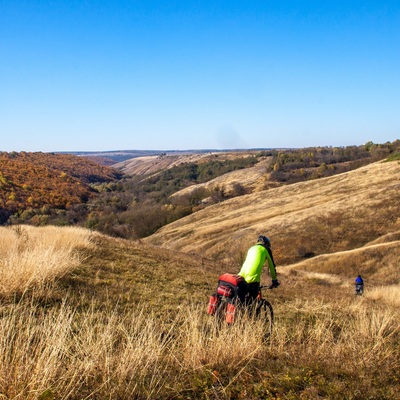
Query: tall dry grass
[(69, 354), (349, 333), (64, 354), (331, 347), (34, 257), (387, 294)]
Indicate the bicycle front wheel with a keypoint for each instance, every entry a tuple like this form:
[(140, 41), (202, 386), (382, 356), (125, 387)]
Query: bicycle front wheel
[(265, 313)]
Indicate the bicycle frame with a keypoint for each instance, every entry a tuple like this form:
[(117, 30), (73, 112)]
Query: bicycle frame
[(259, 296)]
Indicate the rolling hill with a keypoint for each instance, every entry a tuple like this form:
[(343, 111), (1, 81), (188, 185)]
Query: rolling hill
[(152, 164), (250, 179), (328, 215)]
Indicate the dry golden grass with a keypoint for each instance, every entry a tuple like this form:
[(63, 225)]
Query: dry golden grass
[(34, 257), (378, 263), (387, 294), (327, 215), (131, 323), (327, 348), (64, 355)]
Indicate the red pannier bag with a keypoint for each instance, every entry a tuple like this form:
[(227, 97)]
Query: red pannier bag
[(224, 291), (213, 304), (230, 313), (228, 285)]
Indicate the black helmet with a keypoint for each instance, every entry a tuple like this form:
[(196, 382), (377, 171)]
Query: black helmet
[(264, 240)]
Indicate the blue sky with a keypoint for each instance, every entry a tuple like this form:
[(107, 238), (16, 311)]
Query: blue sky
[(112, 75)]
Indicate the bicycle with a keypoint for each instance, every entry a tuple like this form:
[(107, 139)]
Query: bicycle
[(229, 309), (359, 290)]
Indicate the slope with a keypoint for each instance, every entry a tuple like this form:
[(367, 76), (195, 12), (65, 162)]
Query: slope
[(378, 262), (130, 322), (250, 179), (129, 273), (148, 165), (337, 213)]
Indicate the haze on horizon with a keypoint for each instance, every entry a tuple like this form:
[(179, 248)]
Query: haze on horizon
[(100, 76)]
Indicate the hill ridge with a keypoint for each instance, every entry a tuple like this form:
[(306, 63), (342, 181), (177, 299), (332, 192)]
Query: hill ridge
[(325, 215)]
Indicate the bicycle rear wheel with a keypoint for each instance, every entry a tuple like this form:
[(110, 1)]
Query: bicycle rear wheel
[(265, 313)]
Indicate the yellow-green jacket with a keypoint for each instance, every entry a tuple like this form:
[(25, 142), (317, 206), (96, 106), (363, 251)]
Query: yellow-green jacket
[(255, 260)]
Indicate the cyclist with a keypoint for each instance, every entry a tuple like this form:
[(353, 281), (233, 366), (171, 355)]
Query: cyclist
[(251, 269), (359, 285)]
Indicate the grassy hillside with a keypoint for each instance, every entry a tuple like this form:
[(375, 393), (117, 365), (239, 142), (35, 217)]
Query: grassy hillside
[(377, 261), (338, 213), (152, 164), (127, 320), (250, 179)]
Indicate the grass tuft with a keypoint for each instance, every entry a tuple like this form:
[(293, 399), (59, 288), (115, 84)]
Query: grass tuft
[(35, 257)]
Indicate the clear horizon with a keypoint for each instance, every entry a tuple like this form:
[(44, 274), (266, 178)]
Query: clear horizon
[(183, 75)]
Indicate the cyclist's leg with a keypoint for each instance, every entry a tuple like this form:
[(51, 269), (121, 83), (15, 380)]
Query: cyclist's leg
[(254, 288), (243, 289), (251, 299)]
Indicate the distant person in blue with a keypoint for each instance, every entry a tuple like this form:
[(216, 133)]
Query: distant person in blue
[(359, 285)]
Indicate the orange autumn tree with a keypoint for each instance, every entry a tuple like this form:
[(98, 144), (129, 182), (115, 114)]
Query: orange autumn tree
[(32, 180)]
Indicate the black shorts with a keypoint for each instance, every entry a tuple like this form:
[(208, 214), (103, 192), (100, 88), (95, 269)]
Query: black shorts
[(254, 288)]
